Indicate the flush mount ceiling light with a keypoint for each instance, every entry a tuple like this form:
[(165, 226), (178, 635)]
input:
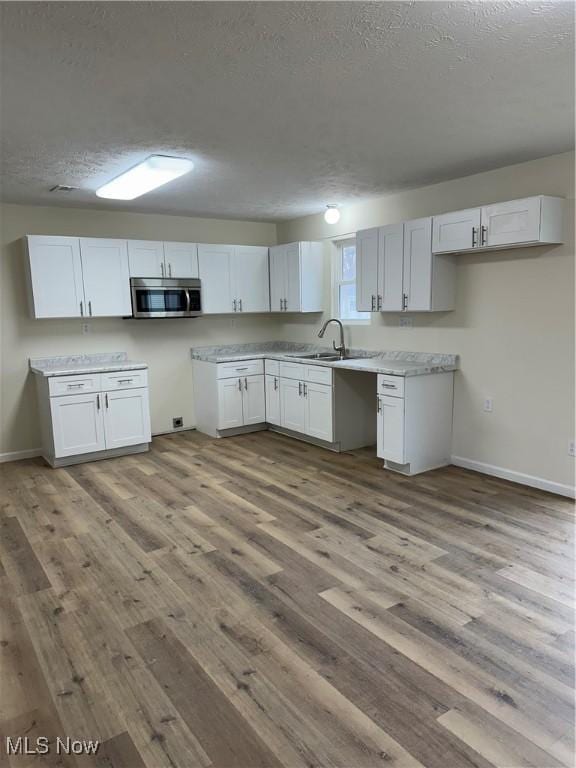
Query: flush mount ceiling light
[(332, 214), (155, 171)]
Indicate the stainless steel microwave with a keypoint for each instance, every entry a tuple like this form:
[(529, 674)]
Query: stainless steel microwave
[(165, 297)]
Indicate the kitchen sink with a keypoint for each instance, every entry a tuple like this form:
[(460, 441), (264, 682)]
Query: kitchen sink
[(328, 356)]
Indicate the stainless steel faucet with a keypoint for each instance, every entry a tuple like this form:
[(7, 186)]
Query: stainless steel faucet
[(342, 348)]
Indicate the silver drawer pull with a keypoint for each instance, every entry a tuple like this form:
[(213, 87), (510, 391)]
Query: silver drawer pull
[(242, 369), (125, 381), (75, 386), (390, 386)]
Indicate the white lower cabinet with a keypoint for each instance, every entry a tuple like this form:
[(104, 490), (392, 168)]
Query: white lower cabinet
[(126, 417), (272, 399), (319, 406), (414, 421), (306, 406), (241, 402), (293, 405), (253, 400), (105, 414), (77, 424)]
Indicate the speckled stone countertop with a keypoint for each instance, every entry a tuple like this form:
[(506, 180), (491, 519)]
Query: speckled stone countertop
[(393, 362), (67, 365)]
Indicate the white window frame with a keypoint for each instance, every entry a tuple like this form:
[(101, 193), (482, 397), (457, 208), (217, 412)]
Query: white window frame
[(336, 269)]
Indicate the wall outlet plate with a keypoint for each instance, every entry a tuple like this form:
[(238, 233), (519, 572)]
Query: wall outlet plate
[(572, 448), (85, 328), (406, 322), (177, 422)]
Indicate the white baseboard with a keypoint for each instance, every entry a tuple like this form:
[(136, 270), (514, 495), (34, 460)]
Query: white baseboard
[(515, 477), (31, 453)]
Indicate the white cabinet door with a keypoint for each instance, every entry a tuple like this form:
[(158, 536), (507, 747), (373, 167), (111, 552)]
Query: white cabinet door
[(517, 221), (367, 270), (253, 400), (293, 405), (215, 270), (181, 259), (146, 258), (106, 277), (230, 403), (278, 277), (77, 424), (272, 399), (418, 264), (126, 417), (390, 267), (251, 279), (458, 231), (56, 275), (293, 302), (319, 421), (390, 439)]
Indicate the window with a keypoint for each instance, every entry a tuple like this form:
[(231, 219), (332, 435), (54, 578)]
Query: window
[(345, 283)]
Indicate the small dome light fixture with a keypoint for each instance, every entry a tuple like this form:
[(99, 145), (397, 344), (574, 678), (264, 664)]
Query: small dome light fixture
[(332, 214)]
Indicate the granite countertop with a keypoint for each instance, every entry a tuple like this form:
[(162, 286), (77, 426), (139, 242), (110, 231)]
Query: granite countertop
[(397, 363), (68, 365)]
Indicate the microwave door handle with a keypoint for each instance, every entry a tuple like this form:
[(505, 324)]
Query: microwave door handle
[(187, 291)]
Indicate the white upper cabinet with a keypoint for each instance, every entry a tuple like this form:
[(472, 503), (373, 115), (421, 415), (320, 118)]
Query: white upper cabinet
[(181, 259), (250, 279), (152, 258), (390, 267), (146, 258), (512, 224), (214, 267), (106, 277), (56, 276), (428, 280), (457, 231), (367, 270), (296, 277)]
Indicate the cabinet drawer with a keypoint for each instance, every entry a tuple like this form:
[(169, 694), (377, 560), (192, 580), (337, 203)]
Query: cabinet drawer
[(272, 367), (241, 368), (124, 380), (293, 371), (390, 385), (74, 385), (318, 374)]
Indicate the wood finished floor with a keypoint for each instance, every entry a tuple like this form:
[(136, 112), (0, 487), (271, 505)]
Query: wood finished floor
[(258, 602)]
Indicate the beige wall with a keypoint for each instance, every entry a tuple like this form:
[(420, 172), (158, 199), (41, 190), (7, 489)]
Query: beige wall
[(164, 344), (513, 325)]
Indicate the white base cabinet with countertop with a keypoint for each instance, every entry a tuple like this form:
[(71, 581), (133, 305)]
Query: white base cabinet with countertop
[(414, 417), (90, 416)]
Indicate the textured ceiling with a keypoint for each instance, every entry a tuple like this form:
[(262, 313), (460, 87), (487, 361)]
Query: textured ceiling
[(284, 106)]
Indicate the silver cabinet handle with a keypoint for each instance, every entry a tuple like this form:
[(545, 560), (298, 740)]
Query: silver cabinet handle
[(125, 381), (484, 238), (281, 307), (106, 399), (404, 301), (299, 389), (90, 308), (373, 303), (305, 390), (234, 305), (75, 386), (474, 237), (275, 383), (162, 268), (169, 270), (242, 369), (240, 305), (285, 305), (389, 386), (378, 406), (98, 402), (379, 302), (81, 309), (240, 384), (245, 383)]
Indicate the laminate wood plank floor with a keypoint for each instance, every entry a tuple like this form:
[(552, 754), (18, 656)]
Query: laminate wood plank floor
[(257, 602)]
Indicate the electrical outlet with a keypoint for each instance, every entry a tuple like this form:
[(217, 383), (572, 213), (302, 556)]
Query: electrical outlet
[(177, 422), (406, 322), (488, 405), (85, 328), (572, 448)]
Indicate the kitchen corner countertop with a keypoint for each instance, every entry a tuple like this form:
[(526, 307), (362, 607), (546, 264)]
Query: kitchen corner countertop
[(68, 365), (397, 363)]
